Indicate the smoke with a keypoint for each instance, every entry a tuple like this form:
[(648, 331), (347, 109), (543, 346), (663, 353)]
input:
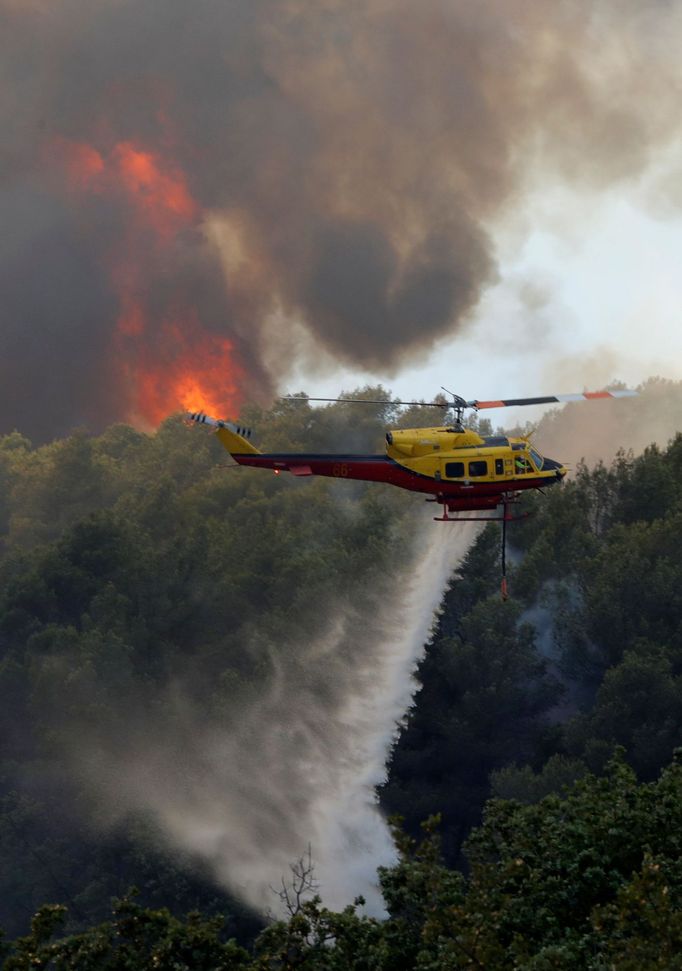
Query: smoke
[(577, 433), (191, 192), (596, 431), (248, 790)]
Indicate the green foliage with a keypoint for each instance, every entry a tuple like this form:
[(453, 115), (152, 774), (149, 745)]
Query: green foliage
[(485, 692), (319, 939), (589, 881), (600, 576), (638, 706), (131, 562), (523, 785), (136, 939), (544, 873)]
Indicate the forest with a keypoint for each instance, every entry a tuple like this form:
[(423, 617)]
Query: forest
[(534, 786)]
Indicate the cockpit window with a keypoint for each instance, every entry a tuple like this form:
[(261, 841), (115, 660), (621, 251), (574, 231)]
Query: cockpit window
[(537, 458)]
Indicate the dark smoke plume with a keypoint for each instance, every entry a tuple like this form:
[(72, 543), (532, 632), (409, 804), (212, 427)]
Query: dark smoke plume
[(181, 183)]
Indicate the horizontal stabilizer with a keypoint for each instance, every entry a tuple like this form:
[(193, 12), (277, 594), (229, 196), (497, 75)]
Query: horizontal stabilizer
[(233, 437)]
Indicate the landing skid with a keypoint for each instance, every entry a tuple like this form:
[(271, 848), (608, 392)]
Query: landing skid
[(479, 519)]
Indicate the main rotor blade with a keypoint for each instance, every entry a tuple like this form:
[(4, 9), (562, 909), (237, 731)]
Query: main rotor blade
[(371, 401), (548, 399)]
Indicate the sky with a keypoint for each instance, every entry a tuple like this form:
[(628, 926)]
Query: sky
[(590, 292)]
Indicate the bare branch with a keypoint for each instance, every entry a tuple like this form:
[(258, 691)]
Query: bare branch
[(300, 886)]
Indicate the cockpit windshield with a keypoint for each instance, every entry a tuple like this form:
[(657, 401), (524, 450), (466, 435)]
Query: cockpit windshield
[(537, 459)]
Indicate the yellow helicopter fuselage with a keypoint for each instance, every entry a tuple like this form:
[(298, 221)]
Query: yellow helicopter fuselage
[(458, 467), (448, 455)]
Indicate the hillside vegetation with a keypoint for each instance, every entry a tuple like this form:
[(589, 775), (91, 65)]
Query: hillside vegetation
[(522, 697), (131, 562), (144, 578)]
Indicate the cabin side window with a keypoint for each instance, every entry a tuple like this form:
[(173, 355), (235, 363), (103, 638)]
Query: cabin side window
[(521, 465), (454, 470), (477, 469)]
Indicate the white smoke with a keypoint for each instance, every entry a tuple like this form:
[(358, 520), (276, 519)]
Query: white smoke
[(248, 792)]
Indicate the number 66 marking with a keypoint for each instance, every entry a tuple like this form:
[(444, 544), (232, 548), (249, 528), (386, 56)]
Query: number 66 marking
[(340, 470)]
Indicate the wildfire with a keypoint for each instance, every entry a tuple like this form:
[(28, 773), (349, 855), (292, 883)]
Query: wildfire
[(81, 163), (166, 362), (161, 195), (168, 382)]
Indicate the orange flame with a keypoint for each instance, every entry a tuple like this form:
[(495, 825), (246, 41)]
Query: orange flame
[(166, 364), (161, 195), (82, 164), (199, 374)]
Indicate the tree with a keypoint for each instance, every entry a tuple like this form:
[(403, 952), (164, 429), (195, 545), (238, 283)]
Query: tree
[(484, 693), (134, 940)]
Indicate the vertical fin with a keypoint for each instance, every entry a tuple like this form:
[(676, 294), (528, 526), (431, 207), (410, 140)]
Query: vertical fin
[(235, 438)]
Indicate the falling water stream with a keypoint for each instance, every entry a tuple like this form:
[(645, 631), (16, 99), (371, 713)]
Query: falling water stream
[(298, 767)]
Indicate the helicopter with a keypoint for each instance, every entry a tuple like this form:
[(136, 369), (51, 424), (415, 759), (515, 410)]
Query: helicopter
[(454, 466)]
